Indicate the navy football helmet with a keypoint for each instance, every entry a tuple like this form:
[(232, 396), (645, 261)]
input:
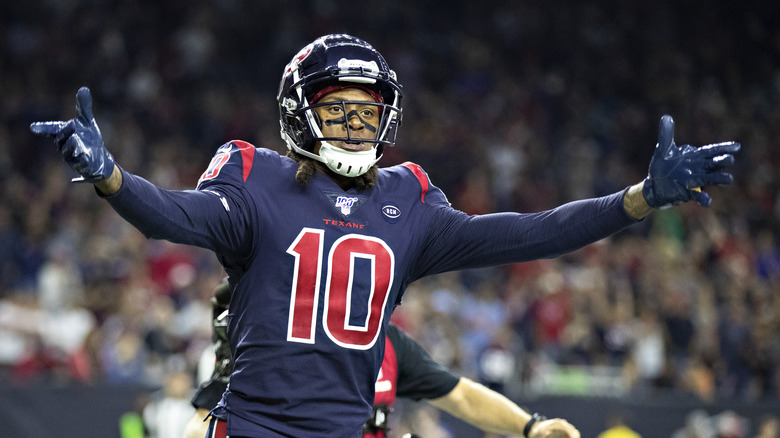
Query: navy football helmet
[(329, 63)]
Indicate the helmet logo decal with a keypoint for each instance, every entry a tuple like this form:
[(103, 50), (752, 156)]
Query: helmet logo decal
[(293, 65), (343, 119)]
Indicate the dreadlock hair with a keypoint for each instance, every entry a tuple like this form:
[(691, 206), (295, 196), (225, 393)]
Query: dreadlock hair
[(306, 171)]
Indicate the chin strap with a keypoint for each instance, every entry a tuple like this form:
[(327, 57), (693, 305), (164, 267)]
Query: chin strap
[(347, 163), (342, 162)]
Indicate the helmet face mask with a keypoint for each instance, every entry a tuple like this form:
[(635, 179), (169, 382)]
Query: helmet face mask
[(337, 61)]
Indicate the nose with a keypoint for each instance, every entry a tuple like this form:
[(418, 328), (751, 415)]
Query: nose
[(355, 122)]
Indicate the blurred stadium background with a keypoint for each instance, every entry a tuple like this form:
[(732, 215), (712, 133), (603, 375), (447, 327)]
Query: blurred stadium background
[(672, 326)]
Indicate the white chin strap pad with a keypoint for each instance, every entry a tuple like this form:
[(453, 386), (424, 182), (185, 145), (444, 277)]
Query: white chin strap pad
[(347, 163)]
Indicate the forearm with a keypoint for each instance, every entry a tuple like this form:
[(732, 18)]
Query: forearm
[(486, 409), (492, 412), (112, 184), (634, 202)]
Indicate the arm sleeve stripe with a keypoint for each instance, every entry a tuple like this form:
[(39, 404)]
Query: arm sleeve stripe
[(248, 155), (421, 177)]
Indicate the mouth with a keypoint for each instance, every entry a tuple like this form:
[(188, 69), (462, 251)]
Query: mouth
[(354, 146)]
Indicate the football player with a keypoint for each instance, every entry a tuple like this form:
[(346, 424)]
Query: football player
[(407, 371), (320, 245)]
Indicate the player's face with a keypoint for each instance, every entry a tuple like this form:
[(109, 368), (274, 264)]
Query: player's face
[(362, 119)]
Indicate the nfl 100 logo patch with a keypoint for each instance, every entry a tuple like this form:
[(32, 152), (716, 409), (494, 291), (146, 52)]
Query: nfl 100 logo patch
[(345, 203)]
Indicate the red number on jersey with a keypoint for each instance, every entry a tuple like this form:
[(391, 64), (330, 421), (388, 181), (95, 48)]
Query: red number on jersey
[(215, 166), (307, 250)]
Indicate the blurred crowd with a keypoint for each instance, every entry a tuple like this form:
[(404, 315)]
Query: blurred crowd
[(521, 106)]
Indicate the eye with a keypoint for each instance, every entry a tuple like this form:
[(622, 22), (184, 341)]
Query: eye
[(367, 113), (335, 109)]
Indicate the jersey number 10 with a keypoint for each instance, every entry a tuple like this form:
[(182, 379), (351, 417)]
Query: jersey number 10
[(339, 292)]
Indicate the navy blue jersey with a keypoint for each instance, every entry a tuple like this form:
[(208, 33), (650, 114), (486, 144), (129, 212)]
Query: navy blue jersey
[(316, 271)]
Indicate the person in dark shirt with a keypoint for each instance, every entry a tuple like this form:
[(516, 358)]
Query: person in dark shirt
[(320, 245)]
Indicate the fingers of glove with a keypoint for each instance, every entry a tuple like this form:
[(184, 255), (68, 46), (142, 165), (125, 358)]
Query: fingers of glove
[(699, 180), (47, 128), (665, 135), (717, 179), (701, 197), (713, 150), (84, 106), (719, 162), (64, 133), (698, 169)]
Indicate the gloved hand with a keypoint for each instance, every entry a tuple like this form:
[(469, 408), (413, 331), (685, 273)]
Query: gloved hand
[(80, 142), (677, 174)]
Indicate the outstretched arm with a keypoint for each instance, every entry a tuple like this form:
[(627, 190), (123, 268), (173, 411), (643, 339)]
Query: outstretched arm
[(490, 411), (181, 216)]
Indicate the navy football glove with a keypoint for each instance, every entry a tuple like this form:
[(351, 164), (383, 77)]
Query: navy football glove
[(677, 174), (80, 142)]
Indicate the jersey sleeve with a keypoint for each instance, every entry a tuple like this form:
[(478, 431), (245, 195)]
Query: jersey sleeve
[(419, 376), (460, 241), (216, 216)]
